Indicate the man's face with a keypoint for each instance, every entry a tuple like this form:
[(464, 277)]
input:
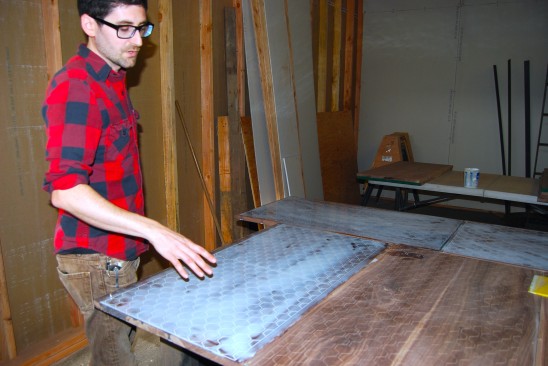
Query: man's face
[(117, 52)]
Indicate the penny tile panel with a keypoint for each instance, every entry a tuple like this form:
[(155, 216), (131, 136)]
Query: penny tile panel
[(260, 287)]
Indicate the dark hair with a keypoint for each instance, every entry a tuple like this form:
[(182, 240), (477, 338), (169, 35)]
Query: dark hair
[(101, 8)]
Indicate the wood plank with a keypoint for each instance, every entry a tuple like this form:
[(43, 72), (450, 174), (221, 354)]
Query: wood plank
[(418, 307), (358, 73), (52, 36), (394, 227), (543, 187), (258, 118), (8, 347), (452, 182), (338, 157), (336, 56), (511, 188), (247, 136), (349, 57), (240, 57), (207, 121), (321, 71), (238, 187), (167, 81), (406, 172), (267, 87), (225, 187)]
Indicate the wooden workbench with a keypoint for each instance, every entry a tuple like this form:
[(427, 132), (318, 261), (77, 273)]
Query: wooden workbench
[(440, 179)]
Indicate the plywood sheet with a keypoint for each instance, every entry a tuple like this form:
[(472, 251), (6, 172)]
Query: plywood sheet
[(418, 307), (387, 226), (513, 188), (543, 187), (521, 247), (406, 172), (456, 179), (261, 286), (453, 183), (338, 157)]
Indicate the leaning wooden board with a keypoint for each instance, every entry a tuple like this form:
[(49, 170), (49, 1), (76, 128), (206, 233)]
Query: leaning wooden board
[(543, 187), (420, 307), (405, 172)]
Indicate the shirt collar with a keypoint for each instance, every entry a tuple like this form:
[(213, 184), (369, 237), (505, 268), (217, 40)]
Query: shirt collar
[(97, 67)]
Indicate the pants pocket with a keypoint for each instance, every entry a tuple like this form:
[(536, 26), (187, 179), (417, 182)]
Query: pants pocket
[(78, 285), (127, 275)]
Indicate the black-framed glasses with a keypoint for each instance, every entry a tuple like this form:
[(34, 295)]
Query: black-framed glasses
[(126, 31)]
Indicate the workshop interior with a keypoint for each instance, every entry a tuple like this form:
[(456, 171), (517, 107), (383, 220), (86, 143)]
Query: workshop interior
[(372, 175)]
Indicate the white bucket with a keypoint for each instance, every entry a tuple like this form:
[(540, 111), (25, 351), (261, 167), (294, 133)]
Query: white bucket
[(471, 177)]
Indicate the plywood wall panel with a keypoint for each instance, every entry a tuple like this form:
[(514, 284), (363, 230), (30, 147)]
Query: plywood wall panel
[(37, 300), (186, 48)]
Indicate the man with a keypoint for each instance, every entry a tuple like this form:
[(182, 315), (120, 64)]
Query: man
[(94, 175)]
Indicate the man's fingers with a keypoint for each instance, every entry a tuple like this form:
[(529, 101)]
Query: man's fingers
[(180, 269), (197, 264)]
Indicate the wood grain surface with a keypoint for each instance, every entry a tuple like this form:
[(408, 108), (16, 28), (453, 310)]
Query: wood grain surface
[(406, 172), (338, 157), (374, 223), (420, 307)]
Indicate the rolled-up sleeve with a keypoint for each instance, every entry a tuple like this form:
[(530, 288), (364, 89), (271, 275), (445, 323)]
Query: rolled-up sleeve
[(73, 132)]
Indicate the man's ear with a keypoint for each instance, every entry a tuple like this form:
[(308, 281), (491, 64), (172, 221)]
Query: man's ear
[(89, 25)]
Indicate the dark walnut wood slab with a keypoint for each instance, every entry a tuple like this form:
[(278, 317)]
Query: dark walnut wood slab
[(420, 307)]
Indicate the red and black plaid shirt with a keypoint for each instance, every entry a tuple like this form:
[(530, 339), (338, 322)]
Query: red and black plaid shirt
[(91, 130)]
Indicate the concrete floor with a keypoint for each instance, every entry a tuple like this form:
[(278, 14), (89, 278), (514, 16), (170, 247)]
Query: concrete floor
[(147, 351)]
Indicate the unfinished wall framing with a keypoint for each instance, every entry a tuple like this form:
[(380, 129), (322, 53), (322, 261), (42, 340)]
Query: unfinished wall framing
[(195, 57), (36, 309)]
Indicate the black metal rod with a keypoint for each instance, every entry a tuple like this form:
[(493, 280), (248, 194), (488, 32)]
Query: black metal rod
[(501, 137), (202, 180), (509, 117), (527, 96)]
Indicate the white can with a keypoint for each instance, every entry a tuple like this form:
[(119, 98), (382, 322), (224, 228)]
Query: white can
[(471, 177)]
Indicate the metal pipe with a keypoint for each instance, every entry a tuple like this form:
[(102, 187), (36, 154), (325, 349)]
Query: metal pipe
[(501, 137), (206, 192)]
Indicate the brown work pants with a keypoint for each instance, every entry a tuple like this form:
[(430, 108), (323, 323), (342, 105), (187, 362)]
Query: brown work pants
[(86, 278)]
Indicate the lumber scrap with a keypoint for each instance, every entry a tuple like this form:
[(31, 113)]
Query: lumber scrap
[(167, 80), (207, 119), (240, 57), (336, 66), (322, 57), (258, 118), (52, 36), (338, 157), (225, 186), (358, 63), (247, 136), (349, 79), (267, 85), (8, 348), (237, 168), (543, 187)]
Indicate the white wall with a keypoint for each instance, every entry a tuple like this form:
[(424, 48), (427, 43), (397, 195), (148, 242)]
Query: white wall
[(428, 70)]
